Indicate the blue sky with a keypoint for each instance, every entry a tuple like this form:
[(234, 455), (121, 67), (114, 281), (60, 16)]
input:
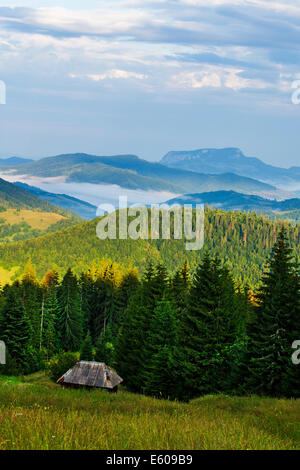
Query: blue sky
[(149, 76)]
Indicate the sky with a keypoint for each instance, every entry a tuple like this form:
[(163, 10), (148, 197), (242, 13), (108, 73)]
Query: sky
[(149, 76)]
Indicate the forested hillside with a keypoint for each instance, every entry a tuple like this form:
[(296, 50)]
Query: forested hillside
[(170, 336), (242, 240), (12, 196), (77, 206), (24, 215)]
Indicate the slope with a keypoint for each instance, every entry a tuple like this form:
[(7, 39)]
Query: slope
[(242, 240), (82, 208)]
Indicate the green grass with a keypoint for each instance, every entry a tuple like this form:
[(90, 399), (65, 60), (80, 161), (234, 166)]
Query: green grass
[(37, 414)]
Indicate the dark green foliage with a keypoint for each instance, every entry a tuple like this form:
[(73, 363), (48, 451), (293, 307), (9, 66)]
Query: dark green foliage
[(275, 327), (208, 327), (180, 286), (69, 314), (87, 353), (170, 337), (15, 328), (121, 300), (50, 310), (131, 341), (105, 349), (161, 370), (60, 364)]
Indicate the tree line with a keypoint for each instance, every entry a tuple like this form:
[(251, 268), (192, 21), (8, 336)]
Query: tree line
[(242, 240), (174, 337)]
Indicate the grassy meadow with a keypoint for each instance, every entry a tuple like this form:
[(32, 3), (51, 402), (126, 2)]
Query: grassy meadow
[(37, 414), (35, 219)]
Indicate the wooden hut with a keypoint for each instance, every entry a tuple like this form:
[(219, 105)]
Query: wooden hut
[(91, 375)]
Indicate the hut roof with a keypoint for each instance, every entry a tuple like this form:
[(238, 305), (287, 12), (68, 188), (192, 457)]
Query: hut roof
[(91, 374)]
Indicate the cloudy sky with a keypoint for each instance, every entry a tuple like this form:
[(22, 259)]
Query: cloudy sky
[(149, 76)]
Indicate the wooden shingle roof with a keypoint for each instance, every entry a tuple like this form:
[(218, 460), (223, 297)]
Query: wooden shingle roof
[(91, 374)]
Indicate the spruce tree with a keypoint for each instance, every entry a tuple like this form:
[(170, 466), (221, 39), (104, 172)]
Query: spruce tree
[(160, 371), (208, 328), (275, 327), (50, 311), (131, 342), (87, 287), (15, 328), (180, 286), (32, 299), (121, 300), (69, 313), (105, 347), (87, 353)]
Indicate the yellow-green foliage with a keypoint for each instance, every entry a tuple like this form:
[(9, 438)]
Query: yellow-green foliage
[(35, 414), (6, 275), (242, 240), (35, 219)]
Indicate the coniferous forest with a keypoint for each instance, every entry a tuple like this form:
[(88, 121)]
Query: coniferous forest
[(176, 336), (242, 240)]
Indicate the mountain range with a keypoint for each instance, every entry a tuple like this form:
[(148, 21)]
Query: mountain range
[(219, 161), (132, 172), (231, 200)]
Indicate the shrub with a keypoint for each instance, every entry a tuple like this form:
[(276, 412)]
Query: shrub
[(60, 363)]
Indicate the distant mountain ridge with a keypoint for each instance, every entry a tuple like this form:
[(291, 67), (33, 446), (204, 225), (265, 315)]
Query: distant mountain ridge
[(13, 161), (231, 200), (82, 208), (132, 172), (210, 160), (14, 197)]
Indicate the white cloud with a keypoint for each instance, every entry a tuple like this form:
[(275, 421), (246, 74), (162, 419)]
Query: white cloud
[(154, 42), (215, 77), (111, 74)]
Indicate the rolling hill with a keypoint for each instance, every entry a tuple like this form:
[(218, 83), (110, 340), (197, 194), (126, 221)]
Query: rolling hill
[(230, 160), (24, 215), (242, 240), (129, 171), (82, 208), (13, 161)]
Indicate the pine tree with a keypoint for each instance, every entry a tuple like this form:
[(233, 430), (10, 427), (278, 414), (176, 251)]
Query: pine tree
[(32, 299), (160, 371), (15, 327), (87, 287), (131, 341), (180, 287), (49, 316), (121, 300), (87, 353), (69, 313), (276, 327), (105, 347), (208, 327), (101, 303)]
